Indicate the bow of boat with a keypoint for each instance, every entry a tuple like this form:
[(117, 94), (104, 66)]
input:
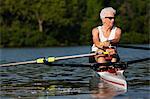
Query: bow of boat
[(116, 79)]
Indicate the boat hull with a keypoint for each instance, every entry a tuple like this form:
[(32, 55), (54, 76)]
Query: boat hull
[(116, 79)]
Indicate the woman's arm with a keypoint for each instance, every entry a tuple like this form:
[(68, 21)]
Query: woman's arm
[(117, 37), (96, 39)]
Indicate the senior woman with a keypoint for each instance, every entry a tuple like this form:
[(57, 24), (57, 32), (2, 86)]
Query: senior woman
[(106, 37)]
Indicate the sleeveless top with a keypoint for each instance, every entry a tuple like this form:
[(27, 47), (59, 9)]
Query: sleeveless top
[(103, 38)]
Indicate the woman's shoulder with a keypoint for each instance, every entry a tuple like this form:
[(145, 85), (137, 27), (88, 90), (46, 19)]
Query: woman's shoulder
[(96, 28), (117, 28)]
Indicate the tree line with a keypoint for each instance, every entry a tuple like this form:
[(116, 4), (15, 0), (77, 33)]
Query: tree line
[(43, 23)]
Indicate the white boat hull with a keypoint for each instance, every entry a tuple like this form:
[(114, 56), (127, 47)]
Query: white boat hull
[(116, 79)]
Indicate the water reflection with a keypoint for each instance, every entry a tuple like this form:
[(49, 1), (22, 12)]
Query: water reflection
[(49, 81), (103, 90)]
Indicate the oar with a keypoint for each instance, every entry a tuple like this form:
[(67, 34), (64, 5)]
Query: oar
[(52, 59)]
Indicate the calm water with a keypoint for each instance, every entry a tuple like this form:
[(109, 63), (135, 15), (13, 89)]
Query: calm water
[(50, 82)]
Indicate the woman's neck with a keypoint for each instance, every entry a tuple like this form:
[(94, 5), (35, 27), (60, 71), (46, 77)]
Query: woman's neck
[(106, 28)]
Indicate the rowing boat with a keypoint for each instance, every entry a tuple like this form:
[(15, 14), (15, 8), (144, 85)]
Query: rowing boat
[(116, 79), (114, 76)]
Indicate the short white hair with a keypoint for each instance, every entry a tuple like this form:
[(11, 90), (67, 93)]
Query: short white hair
[(105, 10)]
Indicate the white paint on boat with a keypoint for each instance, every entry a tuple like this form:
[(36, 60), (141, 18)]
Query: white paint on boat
[(116, 79)]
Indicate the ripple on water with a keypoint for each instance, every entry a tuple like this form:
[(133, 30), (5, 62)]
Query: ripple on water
[(47, 81)]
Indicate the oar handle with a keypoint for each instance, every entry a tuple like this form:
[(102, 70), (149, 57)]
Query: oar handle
[(98, 53)]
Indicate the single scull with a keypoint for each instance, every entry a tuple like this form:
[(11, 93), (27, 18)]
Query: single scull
[(114, 76)]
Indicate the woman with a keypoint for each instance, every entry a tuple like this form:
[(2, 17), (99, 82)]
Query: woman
[(106, 37)]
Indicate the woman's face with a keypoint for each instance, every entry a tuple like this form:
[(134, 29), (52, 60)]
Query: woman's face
[(109, 19)]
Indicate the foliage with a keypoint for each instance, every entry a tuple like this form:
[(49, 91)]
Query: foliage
[(134, 38), (42, 23)]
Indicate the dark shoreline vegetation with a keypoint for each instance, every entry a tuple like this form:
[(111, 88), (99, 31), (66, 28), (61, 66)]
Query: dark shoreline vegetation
[(45, 23)]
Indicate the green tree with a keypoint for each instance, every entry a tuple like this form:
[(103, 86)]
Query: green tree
[(91, 19), (67, 22)]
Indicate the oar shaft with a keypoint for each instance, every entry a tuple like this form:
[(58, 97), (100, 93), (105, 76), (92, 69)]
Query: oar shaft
[(75, 56), (52, 59), (18, 63)]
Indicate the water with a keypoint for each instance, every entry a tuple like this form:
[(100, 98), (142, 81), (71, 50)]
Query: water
[(39, 81)]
